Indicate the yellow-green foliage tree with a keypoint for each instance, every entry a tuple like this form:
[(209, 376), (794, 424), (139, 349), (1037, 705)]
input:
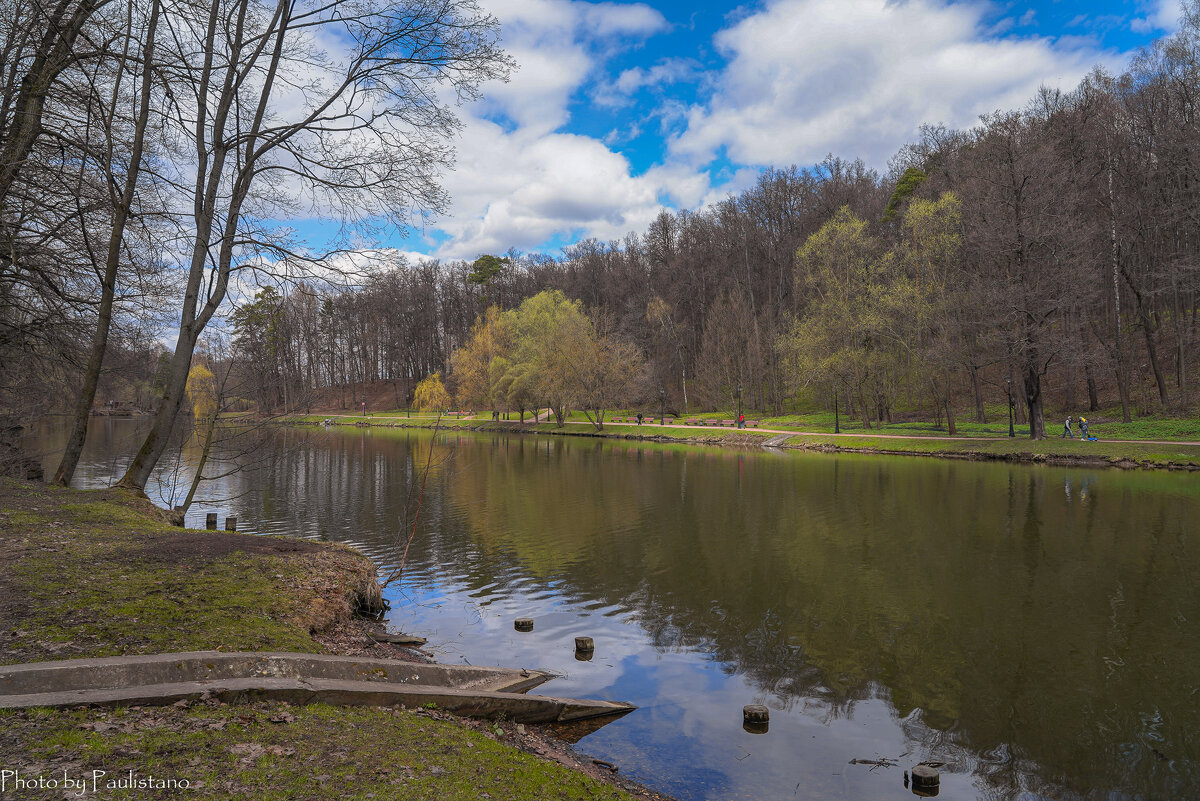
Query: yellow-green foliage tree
[(202, 391), (546, 350), (431, 393), (932, 300), (842, 338), (536, 328), (472, 364)]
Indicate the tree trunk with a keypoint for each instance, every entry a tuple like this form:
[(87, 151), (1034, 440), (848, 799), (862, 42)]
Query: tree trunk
[(53, 54), (1093, 398), (1033, 401), (108, 285), (1148, 330), (159, 435), (1123, 392), (977, 388)]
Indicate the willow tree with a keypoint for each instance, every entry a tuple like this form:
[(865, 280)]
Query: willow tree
[(536, 328), (339, 102), (431, 393), (472, 363), (841, 337)]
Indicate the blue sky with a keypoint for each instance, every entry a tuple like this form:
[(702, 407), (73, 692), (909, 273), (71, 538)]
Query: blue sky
[(621, 108)]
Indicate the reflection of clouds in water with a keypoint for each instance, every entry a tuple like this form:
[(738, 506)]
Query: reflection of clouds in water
[(879, 607)]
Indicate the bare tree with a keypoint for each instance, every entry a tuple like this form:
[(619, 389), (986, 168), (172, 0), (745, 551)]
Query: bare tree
[(267, 113)]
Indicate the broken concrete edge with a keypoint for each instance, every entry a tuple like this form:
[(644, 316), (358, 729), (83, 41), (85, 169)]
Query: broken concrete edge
[(516, 707), (100, 673)]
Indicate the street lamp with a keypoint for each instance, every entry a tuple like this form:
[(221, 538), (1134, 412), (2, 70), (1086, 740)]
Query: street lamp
[(1008, 389), (662, 403), (739, 396), (837, 427)]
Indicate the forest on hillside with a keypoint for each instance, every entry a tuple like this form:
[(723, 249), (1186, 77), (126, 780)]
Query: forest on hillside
[(1050, 253), (1047, 254)]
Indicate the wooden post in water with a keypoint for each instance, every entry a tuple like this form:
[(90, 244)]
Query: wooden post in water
[(523, 624), (210, 521), (926, 781), (756, 718), (231, 524)]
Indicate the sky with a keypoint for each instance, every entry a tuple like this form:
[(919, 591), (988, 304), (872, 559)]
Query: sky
[(619, 109)]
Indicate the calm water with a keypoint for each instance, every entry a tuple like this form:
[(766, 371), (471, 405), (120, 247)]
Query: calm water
[(1033, 628)]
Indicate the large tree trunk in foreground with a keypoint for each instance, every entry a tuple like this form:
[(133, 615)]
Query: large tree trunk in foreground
[(91, 377)]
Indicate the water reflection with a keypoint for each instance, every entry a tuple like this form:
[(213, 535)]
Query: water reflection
[(1029, 627)]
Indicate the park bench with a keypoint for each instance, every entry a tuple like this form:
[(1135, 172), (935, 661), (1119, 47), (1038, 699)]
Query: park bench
[(727, 423), (752, 423), (694, 423)]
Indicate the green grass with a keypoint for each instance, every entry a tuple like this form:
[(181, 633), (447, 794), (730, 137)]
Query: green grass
[(274, 752), (1017, 448), (1105, 425), (99, 575)]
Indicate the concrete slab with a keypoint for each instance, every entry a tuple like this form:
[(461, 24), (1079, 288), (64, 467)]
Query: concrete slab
[(123, 671), (489, 705), (484, 692)]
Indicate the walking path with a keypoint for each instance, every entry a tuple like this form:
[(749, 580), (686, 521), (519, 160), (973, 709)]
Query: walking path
[(545, 416)]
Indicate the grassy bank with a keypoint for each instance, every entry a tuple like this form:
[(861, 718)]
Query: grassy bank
[(102, 573), (1125, 445)]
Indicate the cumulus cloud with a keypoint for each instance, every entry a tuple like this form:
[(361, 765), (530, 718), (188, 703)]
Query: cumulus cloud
[(1160, 16), (519, 191), (520, 181), (857, 77)]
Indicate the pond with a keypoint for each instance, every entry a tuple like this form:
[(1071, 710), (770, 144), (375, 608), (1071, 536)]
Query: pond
[(1033, 628)]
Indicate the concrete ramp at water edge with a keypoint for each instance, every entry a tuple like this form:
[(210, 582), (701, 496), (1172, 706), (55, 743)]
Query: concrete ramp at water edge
[(483, 692)]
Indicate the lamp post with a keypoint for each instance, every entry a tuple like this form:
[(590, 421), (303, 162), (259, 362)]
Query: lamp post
[(1008, 389), (662, 403), (739, 394), (837, 427)]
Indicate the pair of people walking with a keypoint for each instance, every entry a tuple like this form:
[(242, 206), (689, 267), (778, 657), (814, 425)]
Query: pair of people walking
[(1083, 428)]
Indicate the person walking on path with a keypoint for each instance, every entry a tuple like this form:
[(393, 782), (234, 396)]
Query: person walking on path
[(639, 418), (1083, 428), (1067, 429), (741, 421)]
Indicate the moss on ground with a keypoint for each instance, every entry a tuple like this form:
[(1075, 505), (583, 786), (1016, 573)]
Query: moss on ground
[(102, 573), (272, 751)]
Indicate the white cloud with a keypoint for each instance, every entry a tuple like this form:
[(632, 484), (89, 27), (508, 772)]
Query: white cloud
[(517, 191), (857, 77), (1160, 16), (802, 78), (519, 180)]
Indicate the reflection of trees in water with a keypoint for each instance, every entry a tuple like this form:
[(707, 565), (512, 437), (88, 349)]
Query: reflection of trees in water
[(1040, 639)]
